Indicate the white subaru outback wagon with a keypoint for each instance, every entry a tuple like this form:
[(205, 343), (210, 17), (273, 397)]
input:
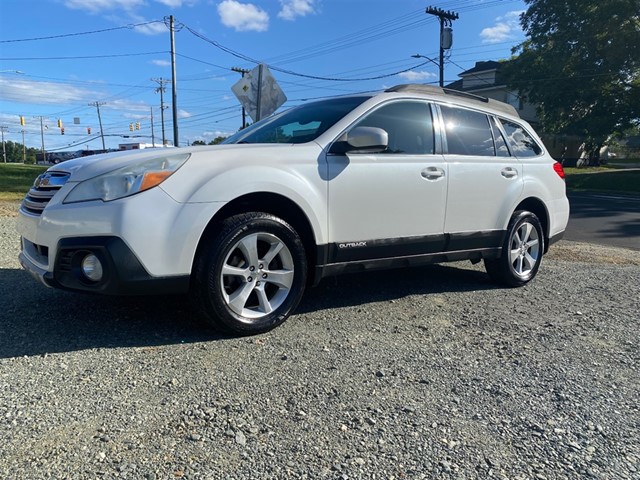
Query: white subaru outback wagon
[(409, 176)]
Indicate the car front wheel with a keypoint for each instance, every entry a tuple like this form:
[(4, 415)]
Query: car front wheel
[(251, 274), (521, 251)]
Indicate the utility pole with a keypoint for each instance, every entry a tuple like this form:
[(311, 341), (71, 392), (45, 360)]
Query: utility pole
[(24, 149), (259, 99), (174, 95), (161, 82), (44, 153), (242, 71), (97, 105), (445, 34), (153, 138), (3, 129)]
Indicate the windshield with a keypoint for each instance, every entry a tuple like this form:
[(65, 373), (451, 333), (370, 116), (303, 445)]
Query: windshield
[(299, 124)]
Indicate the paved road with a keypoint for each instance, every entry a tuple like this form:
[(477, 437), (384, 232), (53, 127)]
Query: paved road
[(604, 219)]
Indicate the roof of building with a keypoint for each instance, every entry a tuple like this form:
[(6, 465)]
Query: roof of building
[(480, 67), (483, 66)]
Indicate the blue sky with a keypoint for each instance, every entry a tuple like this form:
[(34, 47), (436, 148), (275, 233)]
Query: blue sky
[(109, 51)]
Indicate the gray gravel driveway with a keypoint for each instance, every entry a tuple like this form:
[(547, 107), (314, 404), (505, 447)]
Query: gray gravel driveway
[(425, 373)]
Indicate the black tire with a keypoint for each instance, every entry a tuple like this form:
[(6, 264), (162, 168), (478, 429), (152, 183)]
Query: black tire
[(521, 253), (250, 274)]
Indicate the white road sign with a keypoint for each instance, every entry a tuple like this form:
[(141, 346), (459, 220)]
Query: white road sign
[(259, 83)]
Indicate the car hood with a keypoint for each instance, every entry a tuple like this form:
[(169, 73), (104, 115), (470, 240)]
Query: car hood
[(84, 168)]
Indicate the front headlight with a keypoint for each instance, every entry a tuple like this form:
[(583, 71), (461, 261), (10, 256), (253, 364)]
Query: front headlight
[(128, 180)]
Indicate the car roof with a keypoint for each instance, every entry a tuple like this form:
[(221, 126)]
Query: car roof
[(456, 96)]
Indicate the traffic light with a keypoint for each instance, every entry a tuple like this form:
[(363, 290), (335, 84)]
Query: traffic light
[(137, 125), (61, 130), (22, 120), (88, 130), (59, 123), (131, 127)]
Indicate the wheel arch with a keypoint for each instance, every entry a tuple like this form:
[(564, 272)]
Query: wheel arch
[(271, 203), (537, 207)]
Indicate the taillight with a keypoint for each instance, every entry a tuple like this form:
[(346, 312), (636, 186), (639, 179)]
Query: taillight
[(559, 170)]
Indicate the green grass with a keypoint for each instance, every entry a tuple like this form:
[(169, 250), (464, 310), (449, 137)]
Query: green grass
[(602, 179), (16, 179)]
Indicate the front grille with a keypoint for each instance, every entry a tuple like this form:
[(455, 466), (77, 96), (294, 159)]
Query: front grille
[(43, 190)]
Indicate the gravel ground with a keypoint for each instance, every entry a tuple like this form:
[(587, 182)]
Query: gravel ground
[(425, 373)]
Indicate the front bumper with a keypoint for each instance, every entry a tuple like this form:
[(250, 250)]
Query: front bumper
[(145, 242), (123, 272)]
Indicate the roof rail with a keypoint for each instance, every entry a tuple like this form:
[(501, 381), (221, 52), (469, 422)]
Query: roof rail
[(433, 90)]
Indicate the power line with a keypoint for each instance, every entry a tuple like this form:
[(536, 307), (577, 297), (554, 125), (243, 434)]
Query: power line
[(130, 27), (290, 72), (84, 57)]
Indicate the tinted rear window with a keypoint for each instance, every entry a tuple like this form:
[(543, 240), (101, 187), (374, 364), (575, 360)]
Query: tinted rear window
[(468, 132)]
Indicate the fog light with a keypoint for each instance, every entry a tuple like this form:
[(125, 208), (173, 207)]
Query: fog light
[(92, 268)]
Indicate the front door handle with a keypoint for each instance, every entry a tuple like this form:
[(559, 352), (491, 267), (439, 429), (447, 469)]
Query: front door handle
[(509, 172), (432, 173)]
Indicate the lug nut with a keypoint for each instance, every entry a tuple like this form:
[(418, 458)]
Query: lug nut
[(257, 284), (261, 267), (252, 268), (250, 279), (264, 275)]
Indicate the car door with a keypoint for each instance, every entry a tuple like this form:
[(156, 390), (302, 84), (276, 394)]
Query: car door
[(485, 181), (391, 203)]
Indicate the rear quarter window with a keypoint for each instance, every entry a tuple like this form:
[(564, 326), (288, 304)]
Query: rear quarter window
[(520, 142)]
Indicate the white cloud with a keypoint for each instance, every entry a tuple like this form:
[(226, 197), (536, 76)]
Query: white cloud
[(217, 133), (136, 116), (50, 93), (413, 76), (183, 114), (97, 6), (123, 12), (127, 106), (171, 3), (296, 8), (161, 63), (156, 28), (507, 28), (243, 16)]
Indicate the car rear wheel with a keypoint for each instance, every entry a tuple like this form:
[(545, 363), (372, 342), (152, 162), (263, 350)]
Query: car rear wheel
[(251, 274), (521, 251)]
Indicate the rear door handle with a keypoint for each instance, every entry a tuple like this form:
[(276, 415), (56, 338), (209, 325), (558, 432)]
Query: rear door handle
[(432, 173), (509, 172)]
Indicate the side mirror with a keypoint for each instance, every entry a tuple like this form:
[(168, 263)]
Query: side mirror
[(362, 140)]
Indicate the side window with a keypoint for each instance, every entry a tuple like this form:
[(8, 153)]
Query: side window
[(408, 124), (520, 142), (501, 144), (468, 132)]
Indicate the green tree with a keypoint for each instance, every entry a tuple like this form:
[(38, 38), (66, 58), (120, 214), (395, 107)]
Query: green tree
[(580, 65), (14, 152), (217, 140)]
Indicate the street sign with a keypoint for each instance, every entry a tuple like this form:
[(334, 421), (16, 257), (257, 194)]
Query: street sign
[(259, 93)]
